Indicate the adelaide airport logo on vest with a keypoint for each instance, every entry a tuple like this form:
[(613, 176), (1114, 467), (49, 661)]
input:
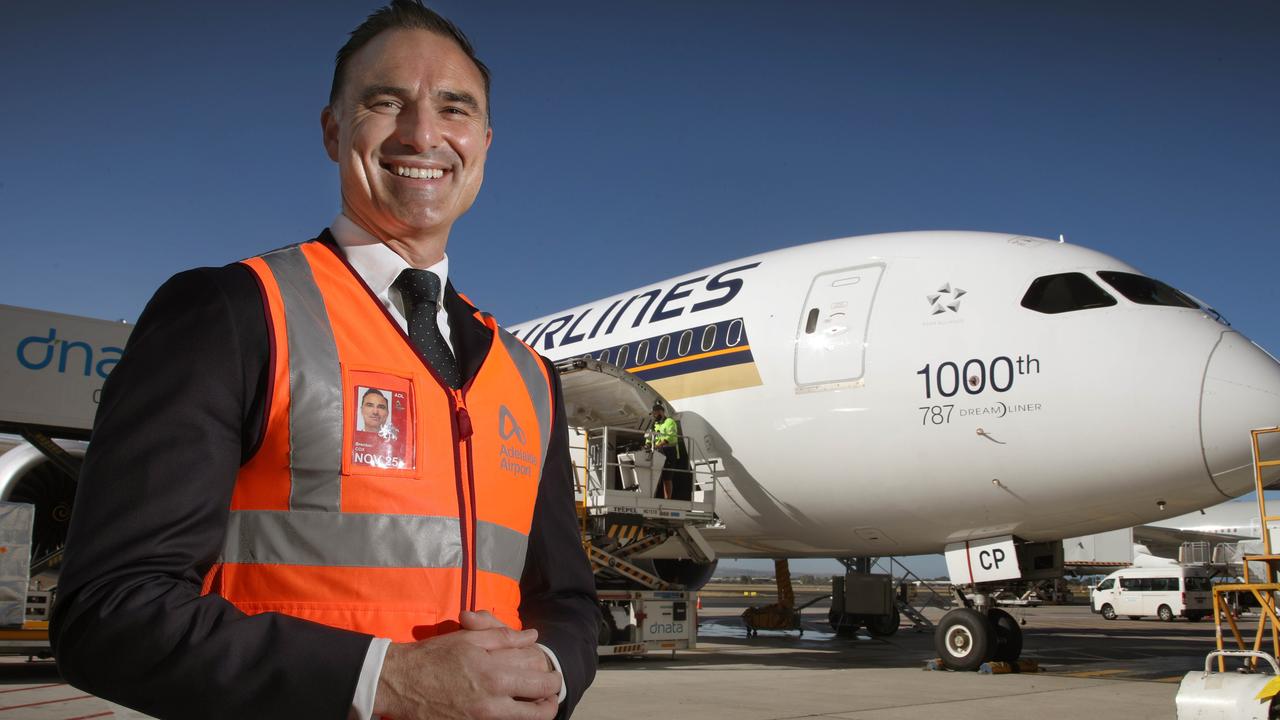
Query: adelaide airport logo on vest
[(514, 460)]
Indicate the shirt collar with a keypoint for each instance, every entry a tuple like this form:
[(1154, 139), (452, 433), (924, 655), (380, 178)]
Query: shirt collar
[(375, 263)]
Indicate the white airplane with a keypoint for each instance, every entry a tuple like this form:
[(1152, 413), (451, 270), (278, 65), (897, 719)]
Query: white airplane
[(906, 393), (1237, 518), (887, 395)]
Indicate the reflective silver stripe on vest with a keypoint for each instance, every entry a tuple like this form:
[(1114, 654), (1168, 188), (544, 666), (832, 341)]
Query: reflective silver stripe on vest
[(530, 368), (500, 550), (323, 539), (315, 386)]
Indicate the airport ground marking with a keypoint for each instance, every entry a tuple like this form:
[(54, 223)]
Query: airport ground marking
[(45, 702), (32, 687)]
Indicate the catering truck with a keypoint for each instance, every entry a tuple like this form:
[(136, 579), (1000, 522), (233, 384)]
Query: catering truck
[(52, 367)]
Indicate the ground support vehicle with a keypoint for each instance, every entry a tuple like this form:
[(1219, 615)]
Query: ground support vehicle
[(640, 621), (646, 551), (52, 367), (1211, 695), (1164, 592), (24, 607)]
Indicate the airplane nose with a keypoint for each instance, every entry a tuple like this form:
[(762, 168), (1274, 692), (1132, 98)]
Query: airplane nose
[(1241, 392)]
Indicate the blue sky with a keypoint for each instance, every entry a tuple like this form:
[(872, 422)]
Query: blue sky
[(634, 141)]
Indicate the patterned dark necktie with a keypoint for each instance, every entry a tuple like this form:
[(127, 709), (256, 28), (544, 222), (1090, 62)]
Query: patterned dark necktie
[(420, 291)]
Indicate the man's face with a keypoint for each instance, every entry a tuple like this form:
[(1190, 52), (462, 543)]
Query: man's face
[(374, 411), (409, 131)]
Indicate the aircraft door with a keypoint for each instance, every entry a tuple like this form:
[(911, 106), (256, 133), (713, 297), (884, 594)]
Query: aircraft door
[(831, 338)]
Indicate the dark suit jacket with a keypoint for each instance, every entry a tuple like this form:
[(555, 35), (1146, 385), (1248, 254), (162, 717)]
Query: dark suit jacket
[(180, 413)]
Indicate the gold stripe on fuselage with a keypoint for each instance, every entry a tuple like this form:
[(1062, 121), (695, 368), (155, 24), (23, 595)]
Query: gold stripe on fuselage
[(705, 382)]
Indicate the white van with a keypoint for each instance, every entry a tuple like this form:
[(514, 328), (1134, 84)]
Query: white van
[(1166, 592)]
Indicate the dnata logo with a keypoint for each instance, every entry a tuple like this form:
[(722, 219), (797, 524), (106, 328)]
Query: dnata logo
[(37, 352), (507, 425)]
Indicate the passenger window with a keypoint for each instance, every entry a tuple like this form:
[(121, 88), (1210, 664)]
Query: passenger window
[(708, 338), (1107, 584), (622, 355), (686, 343), (604, 356), (664, 344), (733, 335), (1128, 583), (1197, 583), (1067, 292), (1146, 291), (642, 352)]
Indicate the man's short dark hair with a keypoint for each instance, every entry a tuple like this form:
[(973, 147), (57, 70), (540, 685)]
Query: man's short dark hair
[(372, 391), (403, 15)]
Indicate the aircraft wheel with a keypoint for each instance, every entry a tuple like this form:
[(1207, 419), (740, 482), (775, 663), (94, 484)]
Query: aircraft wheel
[(1108, 612), (884, 625), (1007, 635), (1165, 613), (963, 639)]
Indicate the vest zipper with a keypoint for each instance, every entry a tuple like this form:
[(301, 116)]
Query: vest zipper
[(462, 431)]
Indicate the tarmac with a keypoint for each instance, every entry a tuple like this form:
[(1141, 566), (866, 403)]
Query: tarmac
[(1091, 668)]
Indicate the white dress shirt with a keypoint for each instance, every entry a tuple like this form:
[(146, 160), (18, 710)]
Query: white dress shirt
[(379, 266)]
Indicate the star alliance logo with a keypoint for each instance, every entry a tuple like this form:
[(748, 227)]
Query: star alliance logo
[(947, 298)]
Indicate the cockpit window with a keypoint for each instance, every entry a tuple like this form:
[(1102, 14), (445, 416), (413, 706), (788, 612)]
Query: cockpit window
[(1146, 291), (1066, 292)]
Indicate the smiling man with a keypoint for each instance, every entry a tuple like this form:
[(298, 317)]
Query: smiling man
[(373, 410), (229, 558)]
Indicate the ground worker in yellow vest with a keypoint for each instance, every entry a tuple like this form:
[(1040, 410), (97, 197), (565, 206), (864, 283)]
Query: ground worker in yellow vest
[(666, 440), (250, 540)]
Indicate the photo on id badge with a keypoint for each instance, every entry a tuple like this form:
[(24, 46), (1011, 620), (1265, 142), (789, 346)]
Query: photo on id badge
[(383, 436)]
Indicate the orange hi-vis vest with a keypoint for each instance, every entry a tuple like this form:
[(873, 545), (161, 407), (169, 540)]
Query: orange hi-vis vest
[(381, 500)]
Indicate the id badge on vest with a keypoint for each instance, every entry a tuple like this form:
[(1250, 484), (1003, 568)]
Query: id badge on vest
[(378, 418)]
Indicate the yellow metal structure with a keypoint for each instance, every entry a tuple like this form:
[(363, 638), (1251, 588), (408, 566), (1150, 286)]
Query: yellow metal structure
[(1265, 592)]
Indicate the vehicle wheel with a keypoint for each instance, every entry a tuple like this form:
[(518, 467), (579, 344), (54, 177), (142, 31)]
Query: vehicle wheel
[(963, 639), (608, 627), (604, 634), (884, 625), (1165, 613), (842, 625), (1007, 636), (1108, 612)]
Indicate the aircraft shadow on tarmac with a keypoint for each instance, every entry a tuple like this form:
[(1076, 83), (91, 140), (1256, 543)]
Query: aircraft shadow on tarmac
[(1081, 645)]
